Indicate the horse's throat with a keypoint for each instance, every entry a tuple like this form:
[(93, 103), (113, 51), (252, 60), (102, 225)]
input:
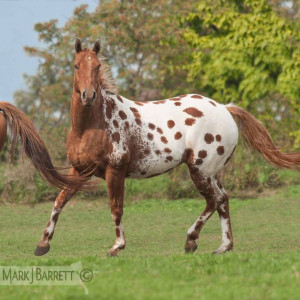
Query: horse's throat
[(84, 117)]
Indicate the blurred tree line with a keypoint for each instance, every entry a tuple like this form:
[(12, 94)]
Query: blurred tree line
[(241, 51)]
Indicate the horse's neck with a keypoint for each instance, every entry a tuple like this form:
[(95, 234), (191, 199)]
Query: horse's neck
[(83, 117)]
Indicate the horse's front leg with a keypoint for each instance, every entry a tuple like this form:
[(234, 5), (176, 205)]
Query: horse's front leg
[(64, 196), (115, 180)]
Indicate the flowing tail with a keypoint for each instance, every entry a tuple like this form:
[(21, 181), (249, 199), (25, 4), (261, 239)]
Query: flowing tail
[(34, 148), (257, 136)]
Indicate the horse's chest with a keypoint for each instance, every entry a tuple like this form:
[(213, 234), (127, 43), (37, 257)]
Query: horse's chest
[(79, 155), (87, 150)]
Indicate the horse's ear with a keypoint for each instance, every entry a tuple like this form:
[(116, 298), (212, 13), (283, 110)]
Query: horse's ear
[(97, 47), (78, 46)]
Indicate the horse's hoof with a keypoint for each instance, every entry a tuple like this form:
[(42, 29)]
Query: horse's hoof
[(41, 249), (190, 247), (222, 250), (112, 253)]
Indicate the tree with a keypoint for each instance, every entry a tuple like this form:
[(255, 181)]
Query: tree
[(234, 51), (139, 38), (243, 52)]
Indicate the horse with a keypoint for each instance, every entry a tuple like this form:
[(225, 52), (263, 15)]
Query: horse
[(115, 138), (34, 147)]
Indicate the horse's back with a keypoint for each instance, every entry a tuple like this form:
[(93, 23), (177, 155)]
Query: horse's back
[(188, 122)]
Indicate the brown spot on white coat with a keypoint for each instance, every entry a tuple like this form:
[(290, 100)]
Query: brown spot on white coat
[(133, 109), (116, 124), (209, 138), (164, 140), (202, 153), (151, 126), (194, 112), (122, 115), (190, 121), (116, 137), (171, 123), (199, 161), (150, 136), (178, 135), (197, 97), (220, 150), (138, 121)]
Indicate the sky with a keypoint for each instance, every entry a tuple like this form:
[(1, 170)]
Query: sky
[(17, 19)]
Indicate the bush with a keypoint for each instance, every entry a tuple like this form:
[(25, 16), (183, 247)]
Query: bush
[(21, 183)]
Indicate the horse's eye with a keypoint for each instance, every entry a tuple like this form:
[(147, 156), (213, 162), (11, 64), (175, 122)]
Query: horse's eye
[(98, 67), (76, 67)]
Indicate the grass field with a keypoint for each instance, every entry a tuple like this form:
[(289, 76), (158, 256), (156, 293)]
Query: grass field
[(265, 263)]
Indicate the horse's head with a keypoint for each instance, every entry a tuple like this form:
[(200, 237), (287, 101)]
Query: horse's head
[(86, 75)]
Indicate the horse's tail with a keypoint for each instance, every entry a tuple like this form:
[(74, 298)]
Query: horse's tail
[(34, 148), (257, 136)]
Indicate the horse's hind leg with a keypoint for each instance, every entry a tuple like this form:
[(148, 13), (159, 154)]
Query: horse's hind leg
[(64, 196), (213, 195), (223, 210)]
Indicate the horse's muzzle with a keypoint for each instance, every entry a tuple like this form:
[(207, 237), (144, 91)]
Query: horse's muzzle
[(88, 97)]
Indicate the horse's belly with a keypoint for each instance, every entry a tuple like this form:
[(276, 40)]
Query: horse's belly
[(156, 165)]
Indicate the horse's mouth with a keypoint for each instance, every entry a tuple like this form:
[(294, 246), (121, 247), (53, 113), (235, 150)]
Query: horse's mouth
[(88, 103)]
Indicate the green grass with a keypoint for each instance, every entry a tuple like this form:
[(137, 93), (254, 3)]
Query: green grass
[(265, 263)]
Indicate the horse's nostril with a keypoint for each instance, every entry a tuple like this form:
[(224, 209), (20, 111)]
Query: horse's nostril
[(83, 94), (94, 95)]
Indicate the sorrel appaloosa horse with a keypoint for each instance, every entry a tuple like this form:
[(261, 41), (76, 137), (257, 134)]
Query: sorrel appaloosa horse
[(33, 146), (115, 138)]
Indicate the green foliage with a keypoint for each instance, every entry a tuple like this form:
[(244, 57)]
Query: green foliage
[(234, 51), (140, 39), (20, 183), (136, 37), (4, 151), (180, 184), (148, 188), (243, 52)]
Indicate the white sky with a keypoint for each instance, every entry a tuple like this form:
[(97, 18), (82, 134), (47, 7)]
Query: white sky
[(17, 19)]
